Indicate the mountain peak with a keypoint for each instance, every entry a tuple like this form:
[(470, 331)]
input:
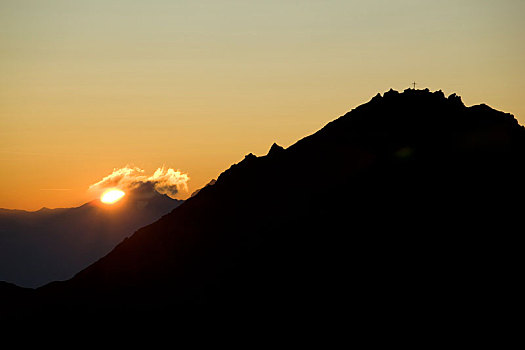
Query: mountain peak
[(275, 150), (418, 94), (413, 108)]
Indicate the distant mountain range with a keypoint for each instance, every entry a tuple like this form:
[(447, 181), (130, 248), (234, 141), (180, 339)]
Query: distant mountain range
[(407, 207), (53, 244)]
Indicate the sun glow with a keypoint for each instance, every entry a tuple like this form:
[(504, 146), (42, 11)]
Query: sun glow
[(111, 196)]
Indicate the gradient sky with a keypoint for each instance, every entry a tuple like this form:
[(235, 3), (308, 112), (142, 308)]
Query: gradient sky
[(88, 86)]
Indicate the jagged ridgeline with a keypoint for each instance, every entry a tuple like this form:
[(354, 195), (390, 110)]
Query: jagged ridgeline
[(406, 204)]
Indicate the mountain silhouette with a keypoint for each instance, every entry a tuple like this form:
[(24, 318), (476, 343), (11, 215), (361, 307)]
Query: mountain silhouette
[(53, 244), (404, 206)]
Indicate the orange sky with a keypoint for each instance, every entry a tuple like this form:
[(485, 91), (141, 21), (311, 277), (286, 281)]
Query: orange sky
[(89, 86)]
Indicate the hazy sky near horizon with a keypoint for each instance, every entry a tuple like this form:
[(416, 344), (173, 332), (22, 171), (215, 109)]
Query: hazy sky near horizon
[(89, 86)]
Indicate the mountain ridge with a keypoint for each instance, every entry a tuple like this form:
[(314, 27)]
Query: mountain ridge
[(53, 244), (410, 191)]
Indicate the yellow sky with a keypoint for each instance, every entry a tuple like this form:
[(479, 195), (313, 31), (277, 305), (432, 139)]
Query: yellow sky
[(88, 86)]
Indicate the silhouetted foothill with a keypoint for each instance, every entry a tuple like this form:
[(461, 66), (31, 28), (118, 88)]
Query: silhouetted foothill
[(403, 207)]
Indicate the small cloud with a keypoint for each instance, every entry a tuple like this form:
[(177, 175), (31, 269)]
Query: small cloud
[(164, 181)]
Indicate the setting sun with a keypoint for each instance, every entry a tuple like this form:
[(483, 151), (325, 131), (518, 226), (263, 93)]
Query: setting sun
[(111, 196)]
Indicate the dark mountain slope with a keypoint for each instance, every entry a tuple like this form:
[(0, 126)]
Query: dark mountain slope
[(405, 205), (54, 244)]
